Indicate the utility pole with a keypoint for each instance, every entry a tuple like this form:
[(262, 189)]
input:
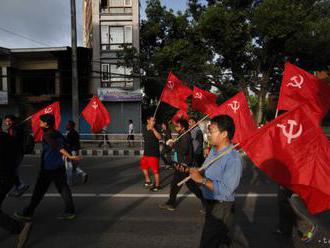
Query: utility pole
[(75, 88)]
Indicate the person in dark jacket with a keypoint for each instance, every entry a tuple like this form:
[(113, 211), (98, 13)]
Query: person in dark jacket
[(73, 144), (52, 170), (166, 150), (7, 179), (16, 134), (183, 154), (198, 141)]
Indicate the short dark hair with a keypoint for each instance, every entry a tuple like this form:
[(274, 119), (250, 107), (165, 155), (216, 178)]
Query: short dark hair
[(72, 123), (183, 123), (130, 121), (225, 123), (165, 123), (193, 118), (48, 118), (11, 117), (149, 116)]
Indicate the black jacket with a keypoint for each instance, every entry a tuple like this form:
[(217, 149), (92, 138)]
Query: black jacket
[(73, 140), (184, 149), (16, 134), (6, 155)]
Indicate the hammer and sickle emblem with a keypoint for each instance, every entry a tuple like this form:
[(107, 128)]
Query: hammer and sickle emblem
[(290, 135), (95, 105), (234, 105), (296, 81), (198, 95), (170, 84), (49, 110)]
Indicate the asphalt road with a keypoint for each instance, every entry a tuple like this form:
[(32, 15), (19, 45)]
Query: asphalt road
[(114, 210)]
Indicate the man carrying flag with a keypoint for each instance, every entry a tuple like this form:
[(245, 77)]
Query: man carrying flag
[(218, 184), (52, 170)]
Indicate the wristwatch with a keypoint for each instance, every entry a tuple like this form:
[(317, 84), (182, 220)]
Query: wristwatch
[(204, 181)]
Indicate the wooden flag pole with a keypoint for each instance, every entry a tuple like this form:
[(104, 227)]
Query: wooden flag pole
[(181, 135), (205, 166), (28, 118), (157, 107)]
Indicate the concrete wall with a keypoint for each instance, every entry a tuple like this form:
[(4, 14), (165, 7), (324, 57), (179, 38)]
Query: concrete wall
[(120, 113)]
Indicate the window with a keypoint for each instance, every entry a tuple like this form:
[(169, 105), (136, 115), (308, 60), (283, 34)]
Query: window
[(104, 4), (128, 34), (120, 3), (118, 76), (105, 72), (112, 38)]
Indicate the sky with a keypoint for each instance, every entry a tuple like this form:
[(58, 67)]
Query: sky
[(42, 23)]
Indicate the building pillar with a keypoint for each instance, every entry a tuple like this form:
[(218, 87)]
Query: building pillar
[(57, 84), (4, 78), (18, 82)]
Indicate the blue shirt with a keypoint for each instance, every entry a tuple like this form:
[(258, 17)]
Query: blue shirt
[(52, 143), (225, 174)]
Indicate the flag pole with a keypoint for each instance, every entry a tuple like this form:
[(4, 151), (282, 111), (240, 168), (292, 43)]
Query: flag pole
[(180, 136), (205, 166), (157, 106), (26, 119)]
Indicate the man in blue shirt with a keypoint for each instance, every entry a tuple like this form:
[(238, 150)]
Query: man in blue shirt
[(52, 170), (218, 184)]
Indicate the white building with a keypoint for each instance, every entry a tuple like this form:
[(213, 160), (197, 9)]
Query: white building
[(108, 25)]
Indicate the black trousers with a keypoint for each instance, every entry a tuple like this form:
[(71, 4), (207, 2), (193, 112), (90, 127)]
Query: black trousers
[(166, 155), (192, 186), (45, 178), (6, 222), (218, 230)]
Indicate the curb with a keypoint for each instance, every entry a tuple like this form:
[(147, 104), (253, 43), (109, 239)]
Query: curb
[(102, 153)]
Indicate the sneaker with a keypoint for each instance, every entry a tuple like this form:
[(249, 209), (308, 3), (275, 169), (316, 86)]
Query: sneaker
[(148, 184), (22, 216), (308, 236), (167, 206), (155, 189), (23, 236), (17, 192), (66, 216)]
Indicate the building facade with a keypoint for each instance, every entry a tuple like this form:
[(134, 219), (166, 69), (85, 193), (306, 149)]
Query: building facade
[(32, 78), (108, 26)]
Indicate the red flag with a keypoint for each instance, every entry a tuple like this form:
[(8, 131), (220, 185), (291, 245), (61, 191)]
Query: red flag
[(299, 87), (204, 101), (295, 153), (237, 108), (181, 114), (175, 92), (96, 115), (54, 109)]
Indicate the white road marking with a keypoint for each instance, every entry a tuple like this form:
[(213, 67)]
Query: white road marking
[(104, 195), (249, 206)]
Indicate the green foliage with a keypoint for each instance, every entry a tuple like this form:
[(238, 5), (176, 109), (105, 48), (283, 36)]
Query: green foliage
[(232, 44)]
